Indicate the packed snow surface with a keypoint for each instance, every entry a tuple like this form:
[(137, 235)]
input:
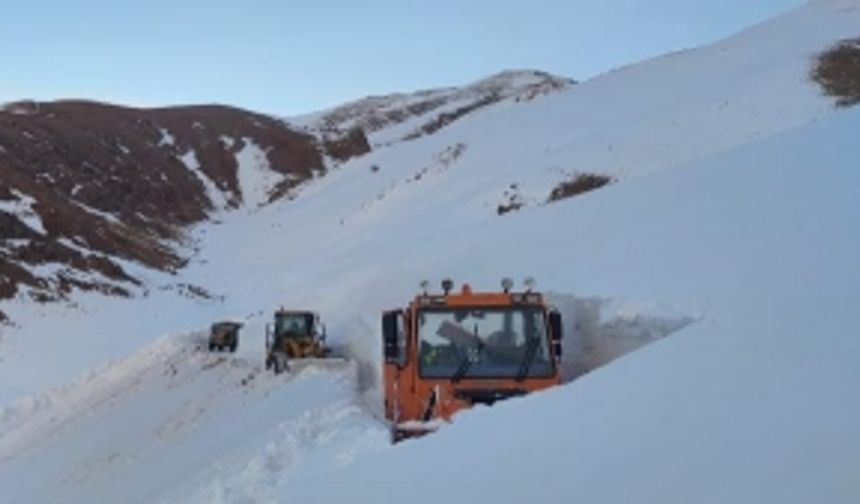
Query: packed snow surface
[(152, 421)]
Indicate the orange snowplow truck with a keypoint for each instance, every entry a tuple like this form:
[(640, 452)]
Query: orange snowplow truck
[(448, 351)]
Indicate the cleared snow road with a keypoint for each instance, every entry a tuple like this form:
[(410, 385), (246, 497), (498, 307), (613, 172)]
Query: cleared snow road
[(160, 418)]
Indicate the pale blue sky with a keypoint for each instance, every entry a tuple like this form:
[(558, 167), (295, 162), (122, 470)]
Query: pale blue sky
[(289, 57)]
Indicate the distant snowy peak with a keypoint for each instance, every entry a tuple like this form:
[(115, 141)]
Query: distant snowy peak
[(521, 85), (406, 116)]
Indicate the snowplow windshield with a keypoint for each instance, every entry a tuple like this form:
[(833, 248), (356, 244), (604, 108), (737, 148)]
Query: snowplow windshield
[(293, 324), (484, 343)]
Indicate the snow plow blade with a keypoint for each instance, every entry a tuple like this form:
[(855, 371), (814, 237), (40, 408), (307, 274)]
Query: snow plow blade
[(294, 366), (413, 429), (326, 363)]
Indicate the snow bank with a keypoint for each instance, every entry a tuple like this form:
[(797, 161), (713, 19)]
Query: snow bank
[(598, 331), (749, 405)]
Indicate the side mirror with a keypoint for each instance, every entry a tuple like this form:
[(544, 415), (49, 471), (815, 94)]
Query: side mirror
[(393, 349), (555, 331)]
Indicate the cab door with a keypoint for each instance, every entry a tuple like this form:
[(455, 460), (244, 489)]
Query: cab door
[(395, 350)]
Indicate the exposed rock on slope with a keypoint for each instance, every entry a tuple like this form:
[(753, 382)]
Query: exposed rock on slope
[(425, 112), (82, 184), (837, 70)]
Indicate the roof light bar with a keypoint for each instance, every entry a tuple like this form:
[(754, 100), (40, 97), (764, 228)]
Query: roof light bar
[(530, 284), (447, 285)]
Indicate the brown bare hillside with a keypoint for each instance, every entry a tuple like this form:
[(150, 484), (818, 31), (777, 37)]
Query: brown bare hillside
[(83, 184)]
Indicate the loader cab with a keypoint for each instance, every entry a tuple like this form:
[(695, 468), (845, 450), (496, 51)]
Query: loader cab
[(294, 334), (294, 324), (448, 351)]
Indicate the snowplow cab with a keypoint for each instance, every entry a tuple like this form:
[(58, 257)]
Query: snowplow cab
[(295, 334), (448, 351), (224, 336)]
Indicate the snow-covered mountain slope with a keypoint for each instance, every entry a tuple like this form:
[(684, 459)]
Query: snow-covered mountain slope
[(734, 207), (406, 116), (753, 403), (662, 113)]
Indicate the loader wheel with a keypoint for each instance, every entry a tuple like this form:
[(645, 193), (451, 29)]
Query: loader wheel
[(268, 363), (211, 347), (233, 347)]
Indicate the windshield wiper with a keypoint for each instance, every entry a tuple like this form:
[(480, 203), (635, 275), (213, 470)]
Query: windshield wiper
[(528, 358), (472, 356)]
